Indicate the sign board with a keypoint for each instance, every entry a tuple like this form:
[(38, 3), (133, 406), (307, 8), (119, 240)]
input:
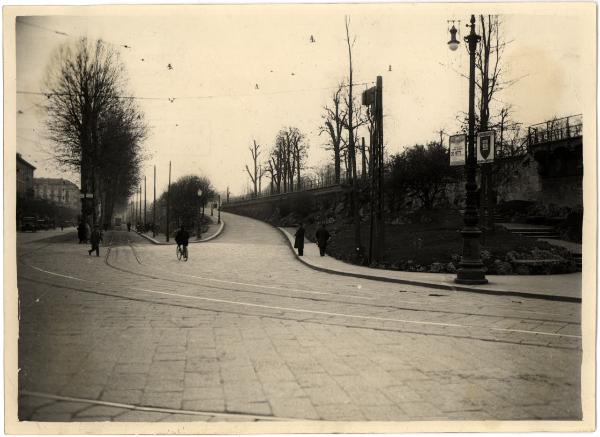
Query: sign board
[(485, 147), (369, 96), (86, 195), (458, 149)]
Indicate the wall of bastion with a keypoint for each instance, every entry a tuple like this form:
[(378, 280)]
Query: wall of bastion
[(517, 179), (521, 180)]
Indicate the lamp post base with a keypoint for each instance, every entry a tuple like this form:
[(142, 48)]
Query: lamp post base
[(471, 269), (472, 276)]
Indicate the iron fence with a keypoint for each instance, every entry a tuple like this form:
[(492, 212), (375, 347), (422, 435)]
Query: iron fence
[(306, 184), (555, 130)]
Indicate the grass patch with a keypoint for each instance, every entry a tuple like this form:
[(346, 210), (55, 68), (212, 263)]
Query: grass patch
[(434, 237)]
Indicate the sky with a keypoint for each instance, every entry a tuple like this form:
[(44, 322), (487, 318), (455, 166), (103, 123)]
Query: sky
[(219, 54)]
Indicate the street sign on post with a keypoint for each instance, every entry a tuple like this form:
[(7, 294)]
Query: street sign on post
[(458, 149), (485, 147), (369, 96)]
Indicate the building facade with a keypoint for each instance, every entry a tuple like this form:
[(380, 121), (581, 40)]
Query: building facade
[(25, 184), (57, 190)]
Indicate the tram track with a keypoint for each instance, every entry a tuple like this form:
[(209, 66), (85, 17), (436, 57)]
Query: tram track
[(311, 321), (354, 313), (370, 304)]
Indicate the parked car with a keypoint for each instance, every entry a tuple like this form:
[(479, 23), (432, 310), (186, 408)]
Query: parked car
[(29, 224)]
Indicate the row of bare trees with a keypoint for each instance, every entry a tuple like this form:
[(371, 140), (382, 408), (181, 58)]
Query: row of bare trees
[(340, 130), (283, 166), (96, 129)]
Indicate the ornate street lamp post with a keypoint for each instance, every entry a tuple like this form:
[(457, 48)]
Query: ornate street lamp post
[(199, 230), (471, 269), (219, 211)]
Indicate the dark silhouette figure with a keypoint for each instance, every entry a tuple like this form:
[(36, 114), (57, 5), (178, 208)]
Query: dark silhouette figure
[(322, 236), (81, 232), (182, 237), (95, 239), (299, 241), (128, 226)]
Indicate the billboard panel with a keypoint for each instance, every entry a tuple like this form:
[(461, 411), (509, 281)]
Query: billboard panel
[(458, 149)]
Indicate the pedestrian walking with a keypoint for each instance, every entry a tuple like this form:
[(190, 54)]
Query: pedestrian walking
[(95, 239), (322, 236), (299, 241), (128, 226)]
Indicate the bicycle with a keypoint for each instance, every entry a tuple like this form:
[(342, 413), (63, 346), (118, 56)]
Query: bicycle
[(182, 252)]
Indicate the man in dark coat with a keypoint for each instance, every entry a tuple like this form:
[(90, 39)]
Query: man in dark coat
[(95, 239), (322, 237), (299, 241)]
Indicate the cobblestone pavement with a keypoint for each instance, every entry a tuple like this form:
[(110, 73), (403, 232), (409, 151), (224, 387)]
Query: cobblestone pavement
[(243, 331)]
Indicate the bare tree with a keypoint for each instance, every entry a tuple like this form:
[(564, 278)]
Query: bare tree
[(120, 138), (288, 158), (360, 118), (89, 121), (256, 173), (334, 121), (491, 80)]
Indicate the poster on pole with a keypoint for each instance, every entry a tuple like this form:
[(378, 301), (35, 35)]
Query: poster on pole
[(458, 149), (485, 147)]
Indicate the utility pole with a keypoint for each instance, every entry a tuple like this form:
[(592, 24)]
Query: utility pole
[(154, 207), (380, 206), (373, 97), (219, 211), (168, 201), (372, 201), (145, 198), (352, 148), (363, 152), (227, 193), (140, 203)]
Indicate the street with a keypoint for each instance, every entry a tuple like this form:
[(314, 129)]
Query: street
[(243, 331)]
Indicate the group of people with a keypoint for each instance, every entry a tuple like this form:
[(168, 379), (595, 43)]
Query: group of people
[(321, 237), (86, 234)]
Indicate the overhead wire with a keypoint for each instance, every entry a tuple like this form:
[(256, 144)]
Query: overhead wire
[(173, 99)]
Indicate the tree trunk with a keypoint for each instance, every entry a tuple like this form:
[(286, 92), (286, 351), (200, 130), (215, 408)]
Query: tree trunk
[(364, 160), (337, 162)]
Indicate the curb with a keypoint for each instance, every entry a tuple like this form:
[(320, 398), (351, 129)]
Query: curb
[(432, 285), (203, 240)]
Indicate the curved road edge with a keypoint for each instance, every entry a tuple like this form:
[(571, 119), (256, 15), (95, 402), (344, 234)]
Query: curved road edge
[(203, 240), (431, 284)]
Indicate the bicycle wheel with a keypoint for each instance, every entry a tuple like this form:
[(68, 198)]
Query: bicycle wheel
[(178, 251), (185, 253)]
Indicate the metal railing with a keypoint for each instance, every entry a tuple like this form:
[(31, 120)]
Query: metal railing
[(555, 130), (305, 185)]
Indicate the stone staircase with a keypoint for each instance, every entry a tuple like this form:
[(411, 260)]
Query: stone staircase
[(544, 233), (531, 231)]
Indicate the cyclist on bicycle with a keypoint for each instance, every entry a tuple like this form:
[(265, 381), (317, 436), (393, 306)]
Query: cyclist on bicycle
[(182, 237)]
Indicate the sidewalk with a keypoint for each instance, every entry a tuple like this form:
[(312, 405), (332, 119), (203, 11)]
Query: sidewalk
[(214, 230), (30, 237), (566, 287)]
